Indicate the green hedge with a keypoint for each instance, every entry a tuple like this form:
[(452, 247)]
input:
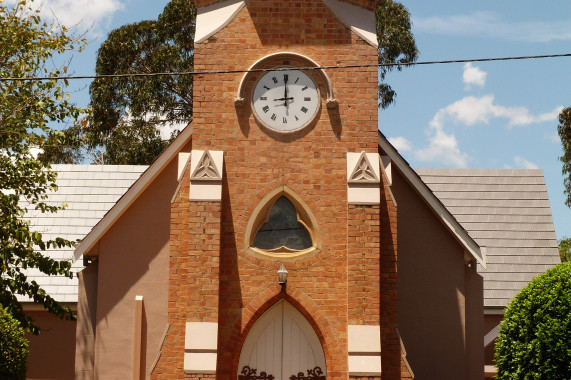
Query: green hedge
[(535, 337), (13, 348)]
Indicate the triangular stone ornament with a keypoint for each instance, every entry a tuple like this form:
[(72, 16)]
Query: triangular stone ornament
[(206, 169), (363, 171)]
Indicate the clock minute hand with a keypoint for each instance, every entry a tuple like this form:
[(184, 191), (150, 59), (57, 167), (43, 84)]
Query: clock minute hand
[(283, 99)]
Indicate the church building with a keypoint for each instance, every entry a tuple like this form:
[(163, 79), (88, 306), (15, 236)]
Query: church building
[(281, 236)]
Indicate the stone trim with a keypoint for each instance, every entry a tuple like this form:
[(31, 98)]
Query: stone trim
[(215, 17), (364, 350), (363, 178), (200, 347), (206, 175)]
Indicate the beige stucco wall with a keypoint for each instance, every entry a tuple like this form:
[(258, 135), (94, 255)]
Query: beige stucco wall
[(474, 285), (436, 291), (133, 260), (51, 354), (86, 313)]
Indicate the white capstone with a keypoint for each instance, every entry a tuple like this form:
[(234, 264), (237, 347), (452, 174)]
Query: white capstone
[(364, 365), (200, 362), (364, 338), (201, 336)]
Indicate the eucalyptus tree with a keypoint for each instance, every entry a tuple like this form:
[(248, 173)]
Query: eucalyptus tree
[(129, 112)]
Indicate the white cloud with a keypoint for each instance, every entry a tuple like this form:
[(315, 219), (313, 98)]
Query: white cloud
[(166, 130), (88, 13), (554, 138), (550, 116), (471, 110), (491, 25), (442, 148), (401, 144), (525, 164), (474, 75)]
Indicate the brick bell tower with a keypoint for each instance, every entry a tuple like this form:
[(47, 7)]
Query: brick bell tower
[(283, 171)]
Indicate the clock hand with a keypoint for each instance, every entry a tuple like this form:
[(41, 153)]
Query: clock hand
[(285, 87), (283, 99)]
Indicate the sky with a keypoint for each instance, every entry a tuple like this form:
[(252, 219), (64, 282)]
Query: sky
[(463, 115)]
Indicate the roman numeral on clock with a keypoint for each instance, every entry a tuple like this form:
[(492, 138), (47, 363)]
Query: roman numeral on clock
[(266, 109), (275, 79), (307, 99), (284, 120), (304, 110), (274, 117), (267, 88), (264, 98), (305, 88)]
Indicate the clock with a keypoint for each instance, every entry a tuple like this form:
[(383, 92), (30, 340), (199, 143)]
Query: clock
[(285, 100)]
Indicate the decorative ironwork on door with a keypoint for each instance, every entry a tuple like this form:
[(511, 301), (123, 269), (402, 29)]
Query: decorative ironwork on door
[(248, 373), (312, 374)]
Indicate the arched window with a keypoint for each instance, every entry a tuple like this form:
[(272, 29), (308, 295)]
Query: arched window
[(282, 227), (283, 230)]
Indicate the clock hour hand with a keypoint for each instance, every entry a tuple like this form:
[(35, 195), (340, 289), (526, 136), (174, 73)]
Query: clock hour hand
[(285, 87), (283, 99)]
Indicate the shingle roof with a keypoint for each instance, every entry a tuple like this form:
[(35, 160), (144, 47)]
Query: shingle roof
[(89, 192), (506, 211)]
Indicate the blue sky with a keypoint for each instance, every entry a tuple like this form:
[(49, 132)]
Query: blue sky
[(480, 115)]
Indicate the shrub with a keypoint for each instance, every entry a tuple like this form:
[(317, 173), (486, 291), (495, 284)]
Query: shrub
[(535, 337), (13, 348)]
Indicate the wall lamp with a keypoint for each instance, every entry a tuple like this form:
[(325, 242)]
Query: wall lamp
[(282, 276)]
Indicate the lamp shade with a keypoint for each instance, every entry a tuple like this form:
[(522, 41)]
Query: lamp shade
[(282, 275)]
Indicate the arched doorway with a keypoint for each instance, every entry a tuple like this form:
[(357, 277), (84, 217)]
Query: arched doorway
[(282, 345)]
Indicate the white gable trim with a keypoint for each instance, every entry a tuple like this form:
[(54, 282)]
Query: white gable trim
[(434, 203), (361, 21), (133, 193), (213, 18)]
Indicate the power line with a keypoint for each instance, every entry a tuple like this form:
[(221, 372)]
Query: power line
[(218, 72)]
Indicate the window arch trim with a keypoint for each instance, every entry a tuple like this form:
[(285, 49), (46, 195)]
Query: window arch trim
[(260, 216)]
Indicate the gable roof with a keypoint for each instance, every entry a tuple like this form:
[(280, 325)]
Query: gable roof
[(508, 212), (134, 192), (89, 192), (456, 229)]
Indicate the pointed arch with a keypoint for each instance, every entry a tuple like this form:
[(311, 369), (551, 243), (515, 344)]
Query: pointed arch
[(261, 215), (281, 343), (304, 304)]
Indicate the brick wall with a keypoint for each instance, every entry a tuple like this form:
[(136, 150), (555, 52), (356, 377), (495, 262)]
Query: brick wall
[(212, 275)]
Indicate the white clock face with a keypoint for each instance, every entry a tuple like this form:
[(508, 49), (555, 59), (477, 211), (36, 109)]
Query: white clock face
[(285, 100)]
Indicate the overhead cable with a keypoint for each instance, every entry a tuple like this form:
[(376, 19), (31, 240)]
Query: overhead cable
[(337, 67)]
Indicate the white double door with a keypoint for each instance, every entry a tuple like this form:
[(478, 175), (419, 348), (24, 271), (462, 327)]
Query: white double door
[(283, 344)]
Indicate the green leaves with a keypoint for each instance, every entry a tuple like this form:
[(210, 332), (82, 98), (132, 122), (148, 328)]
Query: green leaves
[(564, 130), (28, 110), (13, 348), (535, 336), (396, 44), (127, 113), (565, 249)]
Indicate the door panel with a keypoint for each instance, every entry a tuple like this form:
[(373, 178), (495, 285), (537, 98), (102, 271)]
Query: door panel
[(281, 344)]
